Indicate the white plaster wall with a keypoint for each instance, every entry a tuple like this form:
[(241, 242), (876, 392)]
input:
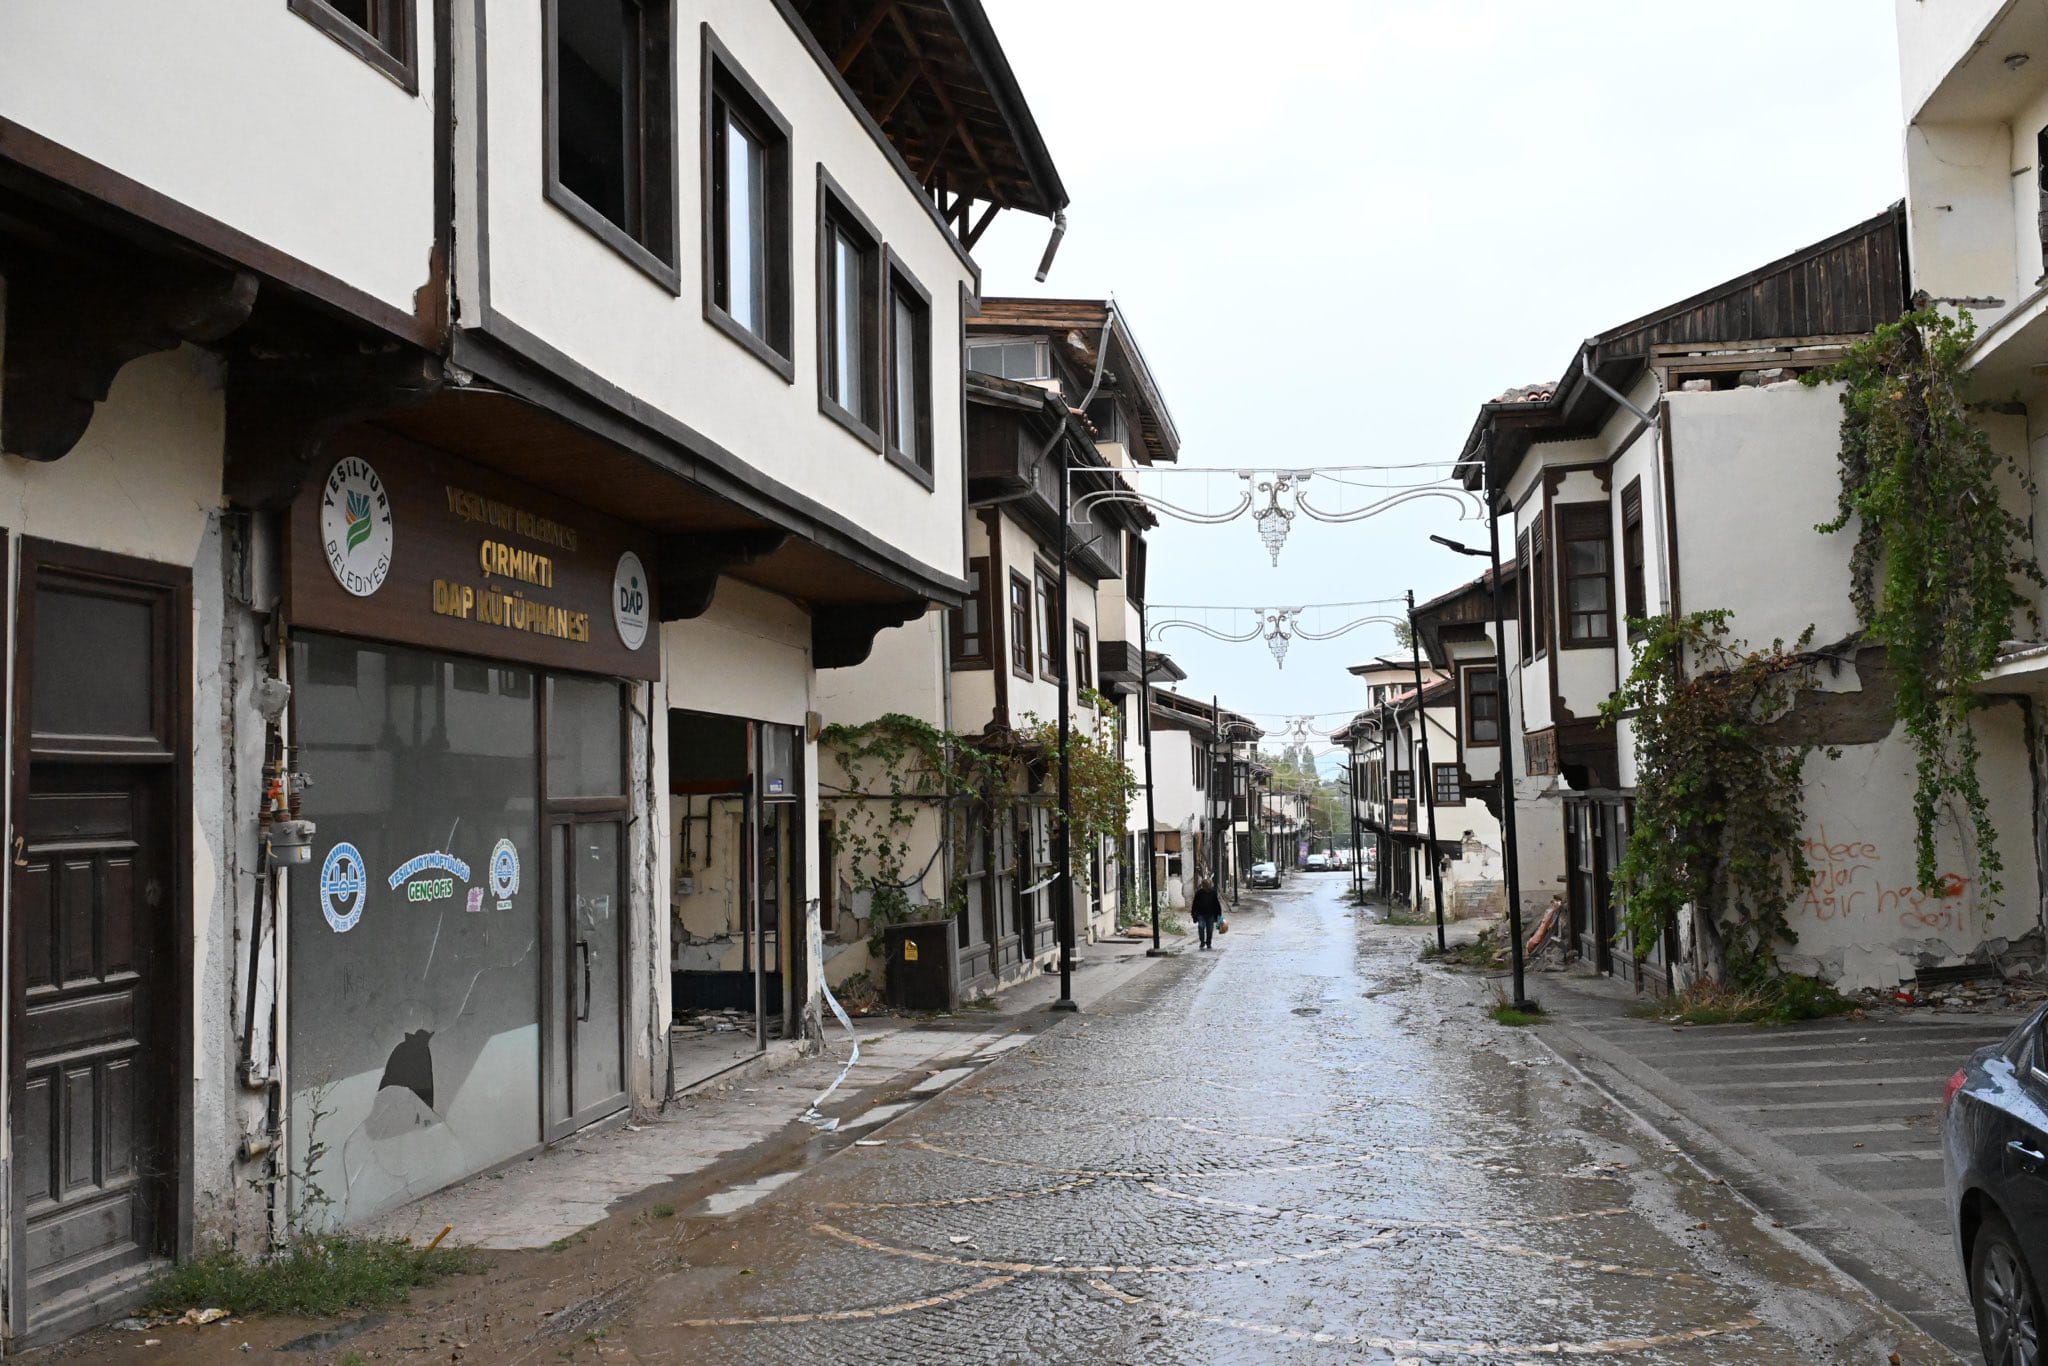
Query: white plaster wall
[(748, 656), (1757, 556), (246, 113), (1933, 38), (905, 674), (1960, 205), (552, 277), (1175, 799), (1863, 922)]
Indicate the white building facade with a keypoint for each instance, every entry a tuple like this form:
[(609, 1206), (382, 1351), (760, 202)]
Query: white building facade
[(484, 477)]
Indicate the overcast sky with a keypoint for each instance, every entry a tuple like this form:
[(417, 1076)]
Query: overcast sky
[(1340, 226)]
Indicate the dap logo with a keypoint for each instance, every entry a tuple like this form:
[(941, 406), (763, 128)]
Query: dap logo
[(629, 600), (344, 888)]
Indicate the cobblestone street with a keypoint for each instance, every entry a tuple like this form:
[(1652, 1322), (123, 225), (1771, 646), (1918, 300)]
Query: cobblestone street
[(1301, 1144)]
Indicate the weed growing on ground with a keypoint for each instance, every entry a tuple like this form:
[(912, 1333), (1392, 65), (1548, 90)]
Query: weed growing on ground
[(663, 1211), (1509, 1015), (1783, 1000), (313, 1276), (1397, 914), (1488, 951)]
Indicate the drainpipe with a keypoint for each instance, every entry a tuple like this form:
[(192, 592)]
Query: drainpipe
[(1052, 245)]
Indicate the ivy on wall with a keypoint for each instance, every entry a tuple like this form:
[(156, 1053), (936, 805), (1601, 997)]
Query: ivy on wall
[(1720, 810), (1100, 784), (897, 764), (1939, 558)]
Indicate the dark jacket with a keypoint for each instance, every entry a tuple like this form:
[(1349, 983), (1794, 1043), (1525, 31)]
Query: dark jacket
[(1207, 903)]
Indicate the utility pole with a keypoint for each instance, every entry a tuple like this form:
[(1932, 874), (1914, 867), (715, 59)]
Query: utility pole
[(1062, 649), (1428, 774), (1151, 809)]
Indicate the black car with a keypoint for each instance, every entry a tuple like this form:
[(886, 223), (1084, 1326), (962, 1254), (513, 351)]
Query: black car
[(1994, 1145)]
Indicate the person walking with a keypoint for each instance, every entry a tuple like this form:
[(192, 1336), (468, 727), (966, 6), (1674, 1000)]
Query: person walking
[(1207, 909)]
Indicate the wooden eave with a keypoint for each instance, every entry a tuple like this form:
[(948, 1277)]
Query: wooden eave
[(934, 78), (1075, 325), (1468, 607), (1844, 285)]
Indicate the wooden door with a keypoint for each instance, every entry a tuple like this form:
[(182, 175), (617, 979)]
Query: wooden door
[(94, 927)]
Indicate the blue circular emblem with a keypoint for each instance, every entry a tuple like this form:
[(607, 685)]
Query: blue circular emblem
[(344, 888), (504, 870)]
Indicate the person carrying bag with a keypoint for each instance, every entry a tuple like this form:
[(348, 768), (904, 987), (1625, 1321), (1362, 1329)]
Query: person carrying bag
[(1208, 912)]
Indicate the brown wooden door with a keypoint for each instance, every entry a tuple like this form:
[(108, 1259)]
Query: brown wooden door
[(95, 910)]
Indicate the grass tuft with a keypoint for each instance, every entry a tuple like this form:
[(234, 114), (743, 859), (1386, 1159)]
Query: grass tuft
[(1508, 1015), (315, 1276), (1783, 1001)]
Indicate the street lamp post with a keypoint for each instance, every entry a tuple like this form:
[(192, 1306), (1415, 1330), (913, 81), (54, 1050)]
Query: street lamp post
[(1151, 808), (1508, 859), (1062, 853), (1427, 795)]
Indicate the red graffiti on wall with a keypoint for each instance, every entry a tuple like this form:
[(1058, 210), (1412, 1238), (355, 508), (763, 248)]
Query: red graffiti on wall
[(1845, 881)]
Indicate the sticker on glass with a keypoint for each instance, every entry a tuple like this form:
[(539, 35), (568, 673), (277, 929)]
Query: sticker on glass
[(344, 888), (476, 900), (504, 873), (419, 888), (629, 601), (355, 526)]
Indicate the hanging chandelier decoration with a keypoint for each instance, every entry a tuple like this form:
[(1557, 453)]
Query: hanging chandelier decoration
[(1284, 493), (1278, 627)]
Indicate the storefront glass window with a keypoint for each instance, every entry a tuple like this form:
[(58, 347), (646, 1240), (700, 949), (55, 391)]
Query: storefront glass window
[(415, 932)]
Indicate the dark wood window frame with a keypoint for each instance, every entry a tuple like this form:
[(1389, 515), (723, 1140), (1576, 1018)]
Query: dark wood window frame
[(980, 656), (1526, 618), (1442, 795), (1084, 646), (899, 284), (1404, 784), (1473, 740), (1542, 591), (1023, 618), (837, 217), (1050, 664), (1584, 524), (723, 88), (655, 248), (389, 44), (1635, 588)]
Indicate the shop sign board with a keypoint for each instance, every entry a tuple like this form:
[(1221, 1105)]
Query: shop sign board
[(400, 543)]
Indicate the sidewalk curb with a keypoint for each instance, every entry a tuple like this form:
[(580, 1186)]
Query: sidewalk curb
[(1869, 1248)]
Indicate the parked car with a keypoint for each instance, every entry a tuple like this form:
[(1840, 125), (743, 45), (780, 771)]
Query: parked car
[(1994, 1148), (1265, 874), (1317, 863)]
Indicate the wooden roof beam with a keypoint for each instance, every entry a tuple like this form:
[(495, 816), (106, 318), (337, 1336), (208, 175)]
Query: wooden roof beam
[(859, 41), (960, 127)]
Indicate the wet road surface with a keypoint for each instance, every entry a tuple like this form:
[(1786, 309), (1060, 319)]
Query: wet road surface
[(1300, 1145)]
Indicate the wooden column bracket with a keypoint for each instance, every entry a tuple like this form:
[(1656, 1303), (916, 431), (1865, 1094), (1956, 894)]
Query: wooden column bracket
[(843, 634), (689, 566), (282, 411), (69, 332)]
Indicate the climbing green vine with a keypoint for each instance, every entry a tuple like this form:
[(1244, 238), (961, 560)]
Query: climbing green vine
[(897, 765), (1719, 806), (1101, 784), (1939, 557)]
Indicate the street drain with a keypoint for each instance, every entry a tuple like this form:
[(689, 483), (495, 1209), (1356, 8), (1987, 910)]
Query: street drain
[(1308, 1010)]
